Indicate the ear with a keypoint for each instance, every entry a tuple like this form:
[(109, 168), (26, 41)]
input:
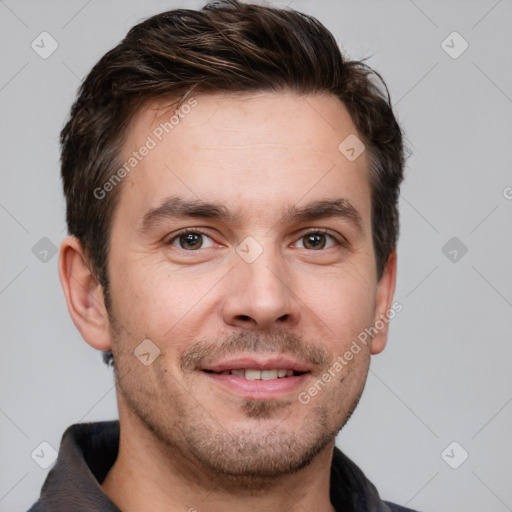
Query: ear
[(84, 294), (385, 293)]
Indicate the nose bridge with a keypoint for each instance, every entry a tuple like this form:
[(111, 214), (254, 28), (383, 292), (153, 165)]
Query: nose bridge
[(267, 276), (259, 293), (264, 277)]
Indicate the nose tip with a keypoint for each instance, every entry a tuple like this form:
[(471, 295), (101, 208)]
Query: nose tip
[(259, 298), (249, 320)]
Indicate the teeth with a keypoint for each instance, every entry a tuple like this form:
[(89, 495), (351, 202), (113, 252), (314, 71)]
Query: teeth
[(268, 374), (252, 374)]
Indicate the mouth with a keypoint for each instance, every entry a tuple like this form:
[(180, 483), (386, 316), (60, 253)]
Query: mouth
[(255, 374), (258, 379)]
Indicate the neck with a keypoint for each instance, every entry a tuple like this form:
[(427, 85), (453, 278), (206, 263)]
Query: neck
[(149, 475)]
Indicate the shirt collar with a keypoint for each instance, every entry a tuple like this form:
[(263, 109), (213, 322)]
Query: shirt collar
[(88, 451)]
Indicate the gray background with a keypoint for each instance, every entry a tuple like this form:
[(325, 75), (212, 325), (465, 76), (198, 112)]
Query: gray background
[(445, 375)]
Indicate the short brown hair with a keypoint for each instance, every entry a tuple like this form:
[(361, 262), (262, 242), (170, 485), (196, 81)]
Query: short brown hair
[(229, 47)]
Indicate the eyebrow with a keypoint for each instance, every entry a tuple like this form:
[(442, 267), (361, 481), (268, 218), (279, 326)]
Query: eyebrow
[(177, 207)]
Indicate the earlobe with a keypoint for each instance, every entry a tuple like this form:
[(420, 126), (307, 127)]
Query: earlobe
[(84, 294), (385, 293)]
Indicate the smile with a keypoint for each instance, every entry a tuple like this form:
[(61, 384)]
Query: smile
[(255, 374), (258, 376)]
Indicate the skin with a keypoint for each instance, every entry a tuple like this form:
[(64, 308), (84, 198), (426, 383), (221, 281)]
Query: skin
[(188, 442)]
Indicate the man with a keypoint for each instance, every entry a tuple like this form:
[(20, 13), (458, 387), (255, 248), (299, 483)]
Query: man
[(232, 186)]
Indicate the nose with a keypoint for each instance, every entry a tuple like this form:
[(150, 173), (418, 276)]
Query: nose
[(260, 296)]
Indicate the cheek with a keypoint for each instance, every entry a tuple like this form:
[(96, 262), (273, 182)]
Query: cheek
[(145, 294), (345, 302), (153, 302)]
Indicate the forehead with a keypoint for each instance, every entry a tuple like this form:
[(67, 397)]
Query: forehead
[(269, 150)]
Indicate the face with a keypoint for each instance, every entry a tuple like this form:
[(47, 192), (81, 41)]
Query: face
[(241, 248)]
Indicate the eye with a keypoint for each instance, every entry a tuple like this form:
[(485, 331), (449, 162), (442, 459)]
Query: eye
[(317, 240), (190, 240)]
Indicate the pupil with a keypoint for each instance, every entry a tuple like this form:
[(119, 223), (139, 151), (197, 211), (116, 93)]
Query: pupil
[(191, 239), (313, 240)]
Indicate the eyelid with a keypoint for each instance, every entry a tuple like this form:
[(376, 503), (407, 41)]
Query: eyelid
[(339, 239), (169, 240)]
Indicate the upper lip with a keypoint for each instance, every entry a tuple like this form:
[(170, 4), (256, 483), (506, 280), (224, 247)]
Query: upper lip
[(274, 363)]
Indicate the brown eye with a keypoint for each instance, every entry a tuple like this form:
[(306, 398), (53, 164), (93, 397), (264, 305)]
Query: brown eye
[(190, 240), (317, 240)]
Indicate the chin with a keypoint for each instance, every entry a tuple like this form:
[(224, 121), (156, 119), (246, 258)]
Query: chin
[(249, 454)]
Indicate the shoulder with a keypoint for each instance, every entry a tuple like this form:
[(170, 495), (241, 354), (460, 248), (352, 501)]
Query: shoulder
[(349, 486)]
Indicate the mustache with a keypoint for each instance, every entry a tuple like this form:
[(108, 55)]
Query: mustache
[(279, 342)]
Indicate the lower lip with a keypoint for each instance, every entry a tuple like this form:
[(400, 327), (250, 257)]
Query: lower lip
[(259, 389)]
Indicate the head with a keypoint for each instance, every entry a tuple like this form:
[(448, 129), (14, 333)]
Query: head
[(231, 122)]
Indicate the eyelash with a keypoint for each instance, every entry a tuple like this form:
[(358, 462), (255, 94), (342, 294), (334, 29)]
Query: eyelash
[(339, 242)]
